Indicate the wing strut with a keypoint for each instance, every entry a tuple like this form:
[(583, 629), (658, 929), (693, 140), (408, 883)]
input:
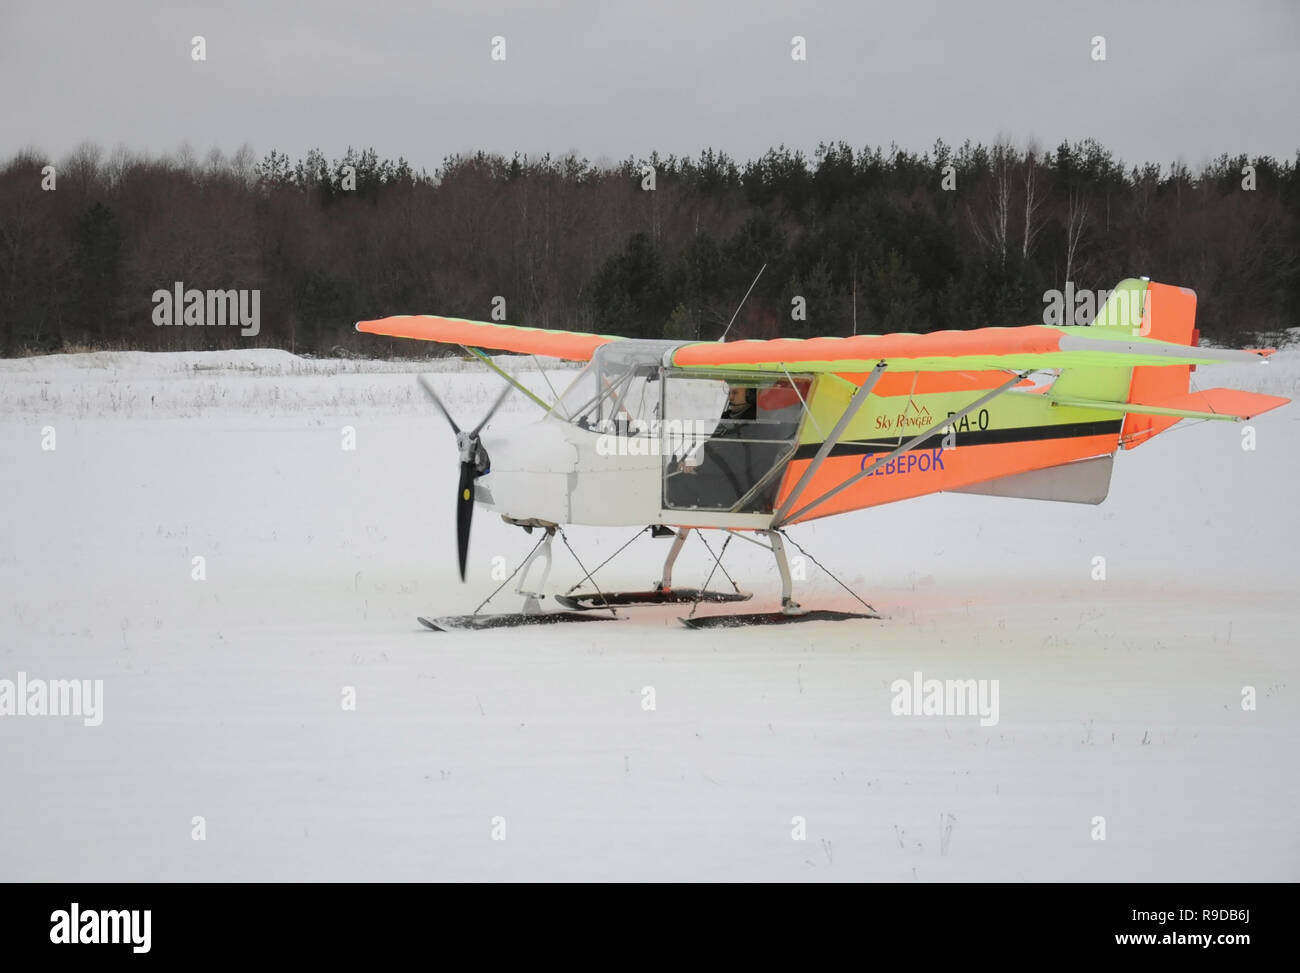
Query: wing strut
[(937, 427), (483, 357), (851, 410)]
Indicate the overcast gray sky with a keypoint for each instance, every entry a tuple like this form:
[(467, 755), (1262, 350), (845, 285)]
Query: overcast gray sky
[(611, 79)]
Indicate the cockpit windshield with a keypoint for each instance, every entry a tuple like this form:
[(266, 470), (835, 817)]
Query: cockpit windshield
[(618, 390)]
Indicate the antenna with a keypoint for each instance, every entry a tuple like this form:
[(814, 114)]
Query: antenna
[(742, 302)]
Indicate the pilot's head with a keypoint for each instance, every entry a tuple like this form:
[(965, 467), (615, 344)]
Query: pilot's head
[(739, 399)]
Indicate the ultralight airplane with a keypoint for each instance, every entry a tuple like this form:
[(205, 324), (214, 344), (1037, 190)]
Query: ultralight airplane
[(750, 437)]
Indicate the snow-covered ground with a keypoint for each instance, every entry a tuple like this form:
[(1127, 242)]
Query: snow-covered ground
[(1119, 699)]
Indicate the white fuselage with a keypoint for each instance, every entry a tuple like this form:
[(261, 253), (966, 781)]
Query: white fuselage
[(556, 472)]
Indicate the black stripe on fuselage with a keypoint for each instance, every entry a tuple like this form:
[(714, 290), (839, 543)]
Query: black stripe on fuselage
[(974, 437)]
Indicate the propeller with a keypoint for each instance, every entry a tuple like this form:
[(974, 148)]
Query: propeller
[(473, 464)]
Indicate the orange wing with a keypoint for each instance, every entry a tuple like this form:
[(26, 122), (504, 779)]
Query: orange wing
[(572, 345), (981, 342)]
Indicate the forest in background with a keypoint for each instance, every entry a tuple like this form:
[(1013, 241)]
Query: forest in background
[(869, 238)]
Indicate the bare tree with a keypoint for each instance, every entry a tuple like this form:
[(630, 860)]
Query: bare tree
[(1033, 203), (1076, 218), (993, 232)]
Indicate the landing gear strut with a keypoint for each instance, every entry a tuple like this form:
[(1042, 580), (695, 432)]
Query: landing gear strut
[(788, 605), (532, 599), (665, 582)]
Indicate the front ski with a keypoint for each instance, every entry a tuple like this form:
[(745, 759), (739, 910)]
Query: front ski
[(625, 599), (474, 623), (769, 618)]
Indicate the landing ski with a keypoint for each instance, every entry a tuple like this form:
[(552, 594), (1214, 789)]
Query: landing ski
[(769, 618), (625, 599), (474, 623)]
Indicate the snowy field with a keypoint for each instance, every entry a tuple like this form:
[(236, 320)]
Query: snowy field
[(1119, 699)]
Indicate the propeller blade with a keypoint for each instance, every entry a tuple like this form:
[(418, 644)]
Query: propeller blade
[(470, 452), (438, 402), (492, 411), (464, 513)]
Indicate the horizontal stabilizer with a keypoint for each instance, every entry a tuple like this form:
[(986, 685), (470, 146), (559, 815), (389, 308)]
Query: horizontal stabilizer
[(1214, 404), (1230, 405)]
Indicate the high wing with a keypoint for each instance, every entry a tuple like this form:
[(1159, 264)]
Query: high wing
[(1134, 360), (1015, 349), (571, 345), (982, 349)]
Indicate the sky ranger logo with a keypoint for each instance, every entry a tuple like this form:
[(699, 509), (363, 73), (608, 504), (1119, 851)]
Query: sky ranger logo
[(921, 419), (948, 697), (242, 309), (58, 697), (103, 926)]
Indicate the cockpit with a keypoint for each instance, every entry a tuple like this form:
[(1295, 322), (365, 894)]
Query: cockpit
[(723, 438), (619, 390)]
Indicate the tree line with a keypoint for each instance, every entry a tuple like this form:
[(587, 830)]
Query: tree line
[(848, 240)]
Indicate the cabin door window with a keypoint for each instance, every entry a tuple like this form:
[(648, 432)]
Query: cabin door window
[(725, 441)]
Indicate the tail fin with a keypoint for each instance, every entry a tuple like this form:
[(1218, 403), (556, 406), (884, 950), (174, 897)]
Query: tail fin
[(1168, 314), (1142, 308), (1122, 312)]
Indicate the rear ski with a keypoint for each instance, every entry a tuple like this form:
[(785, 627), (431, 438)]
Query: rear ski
[(770, 618), (658, 596), (475, 623)]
